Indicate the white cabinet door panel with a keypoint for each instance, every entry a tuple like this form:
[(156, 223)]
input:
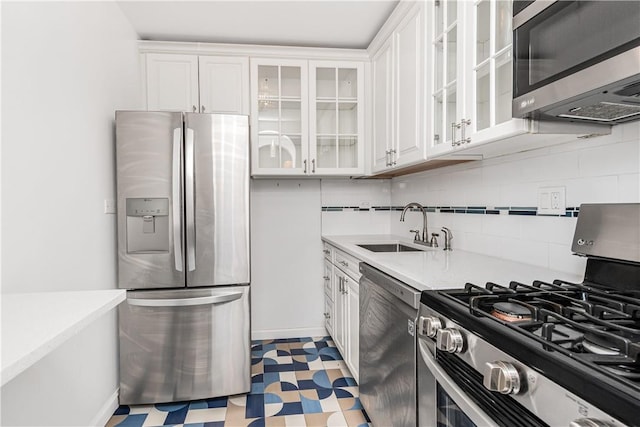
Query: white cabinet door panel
[(382, 106), (224, 84), (172, 82), (409, 111)]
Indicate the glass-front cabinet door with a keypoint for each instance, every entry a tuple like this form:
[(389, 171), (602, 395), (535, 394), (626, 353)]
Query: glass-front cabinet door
[(445, 86), (336, 118), (489, 73), (279, 107)]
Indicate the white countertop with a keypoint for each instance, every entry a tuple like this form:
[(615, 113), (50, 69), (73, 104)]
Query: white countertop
[(34, 324), (435, 268)]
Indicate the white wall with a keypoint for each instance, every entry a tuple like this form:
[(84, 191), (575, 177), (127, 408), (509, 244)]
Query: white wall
[(66, 66), (604, 169), (286, 259)]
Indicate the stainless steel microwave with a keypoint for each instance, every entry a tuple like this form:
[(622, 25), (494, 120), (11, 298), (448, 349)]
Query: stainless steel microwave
[(577, 60)]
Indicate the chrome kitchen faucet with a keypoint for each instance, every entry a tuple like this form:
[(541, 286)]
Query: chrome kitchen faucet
[(417, 239)]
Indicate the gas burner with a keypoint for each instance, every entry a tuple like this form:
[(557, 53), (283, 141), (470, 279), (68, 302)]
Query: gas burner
[(511, 312)]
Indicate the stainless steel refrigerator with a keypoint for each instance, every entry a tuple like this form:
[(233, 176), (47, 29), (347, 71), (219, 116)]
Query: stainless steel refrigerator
[(183, 253)]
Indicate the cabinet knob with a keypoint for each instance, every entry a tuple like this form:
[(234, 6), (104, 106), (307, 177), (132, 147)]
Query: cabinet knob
[(502, 377), (202, 109), (325, 278), (194, 108), (313, 165)]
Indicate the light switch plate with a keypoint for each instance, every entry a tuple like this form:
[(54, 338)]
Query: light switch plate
[(109, 206), (551, 201)]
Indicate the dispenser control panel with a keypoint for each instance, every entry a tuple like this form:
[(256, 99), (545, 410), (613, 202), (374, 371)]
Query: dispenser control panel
[(147, 225)]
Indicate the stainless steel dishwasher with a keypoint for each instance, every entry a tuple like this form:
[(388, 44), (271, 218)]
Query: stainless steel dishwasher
[(388, 312)]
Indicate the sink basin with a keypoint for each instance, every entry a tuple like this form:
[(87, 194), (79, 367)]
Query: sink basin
[(389, 247)]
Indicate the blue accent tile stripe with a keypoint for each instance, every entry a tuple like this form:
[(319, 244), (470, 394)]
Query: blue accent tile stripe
[(570, 212)]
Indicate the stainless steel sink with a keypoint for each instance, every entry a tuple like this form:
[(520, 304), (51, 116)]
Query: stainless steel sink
[(389, 247)]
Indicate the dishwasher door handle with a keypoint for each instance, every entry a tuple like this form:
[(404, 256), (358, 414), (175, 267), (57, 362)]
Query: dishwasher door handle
[(184, 302)]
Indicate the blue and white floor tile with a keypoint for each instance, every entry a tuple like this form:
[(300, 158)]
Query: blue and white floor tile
[(295, 382)]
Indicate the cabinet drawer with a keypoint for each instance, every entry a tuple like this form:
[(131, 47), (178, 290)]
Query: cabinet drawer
[(327, 251), (348, 264), (328, 286), (328, 315)]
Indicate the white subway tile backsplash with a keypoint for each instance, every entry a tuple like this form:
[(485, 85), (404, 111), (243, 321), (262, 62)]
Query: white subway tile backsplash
[(502, 225), (630, 131), (597, 170), (548, 229), (629, 188), (358, 222), (611, 159), (562, 259), (545, 168), (601, 189), (513, 193), (529, 252)]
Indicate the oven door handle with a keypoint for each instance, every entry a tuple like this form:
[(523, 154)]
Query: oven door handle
[(470, 409)]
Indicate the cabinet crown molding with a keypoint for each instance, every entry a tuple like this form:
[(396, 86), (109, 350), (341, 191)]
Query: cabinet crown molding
[(392, 22), (193, 48)]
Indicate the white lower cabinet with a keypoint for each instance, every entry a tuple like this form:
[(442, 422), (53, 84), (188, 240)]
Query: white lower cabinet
[(342, 306)]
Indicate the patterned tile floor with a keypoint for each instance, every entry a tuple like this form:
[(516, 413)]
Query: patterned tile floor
[(294, 382)]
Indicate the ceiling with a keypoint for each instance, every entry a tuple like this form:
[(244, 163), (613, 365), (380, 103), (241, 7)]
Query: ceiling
[(317, 23)]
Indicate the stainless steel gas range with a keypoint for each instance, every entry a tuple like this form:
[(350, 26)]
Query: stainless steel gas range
[(540, 354)]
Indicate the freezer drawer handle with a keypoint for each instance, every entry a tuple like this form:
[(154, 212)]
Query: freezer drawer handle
[(176, 211), (183, 302)]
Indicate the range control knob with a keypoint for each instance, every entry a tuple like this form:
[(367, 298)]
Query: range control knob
[(502, 377), (429, 325), (449, 340), (588, 422)]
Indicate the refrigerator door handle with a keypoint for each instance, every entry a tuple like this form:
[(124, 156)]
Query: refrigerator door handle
[(183, 302), (190, 200), (177, 211)]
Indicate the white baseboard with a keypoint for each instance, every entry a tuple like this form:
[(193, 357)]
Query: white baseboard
[(107, 410), (270, 334)]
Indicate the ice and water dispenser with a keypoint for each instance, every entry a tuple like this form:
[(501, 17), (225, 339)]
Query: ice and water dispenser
[(147, 225)]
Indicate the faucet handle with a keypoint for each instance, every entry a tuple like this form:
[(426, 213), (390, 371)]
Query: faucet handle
[(434, 241), (417, 232)]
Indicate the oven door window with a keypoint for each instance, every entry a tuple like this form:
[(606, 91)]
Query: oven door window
[(570, 36), (449, 413)]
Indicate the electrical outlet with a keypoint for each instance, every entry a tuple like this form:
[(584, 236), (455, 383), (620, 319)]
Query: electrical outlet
[(109, 206), (551, 201)]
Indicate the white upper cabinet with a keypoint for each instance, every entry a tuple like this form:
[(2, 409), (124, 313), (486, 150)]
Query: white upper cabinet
[(469, 89), (224, 84), (336, 117), (205, 84), (398, 94), (445, 51), (279, 117), (383, 73), (172, 82), (489, 73), (409, 46), (307, 117)]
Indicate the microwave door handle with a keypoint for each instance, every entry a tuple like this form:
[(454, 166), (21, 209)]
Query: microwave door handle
[(190, 199), (470, 408), (185, 302), (176, 205)]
